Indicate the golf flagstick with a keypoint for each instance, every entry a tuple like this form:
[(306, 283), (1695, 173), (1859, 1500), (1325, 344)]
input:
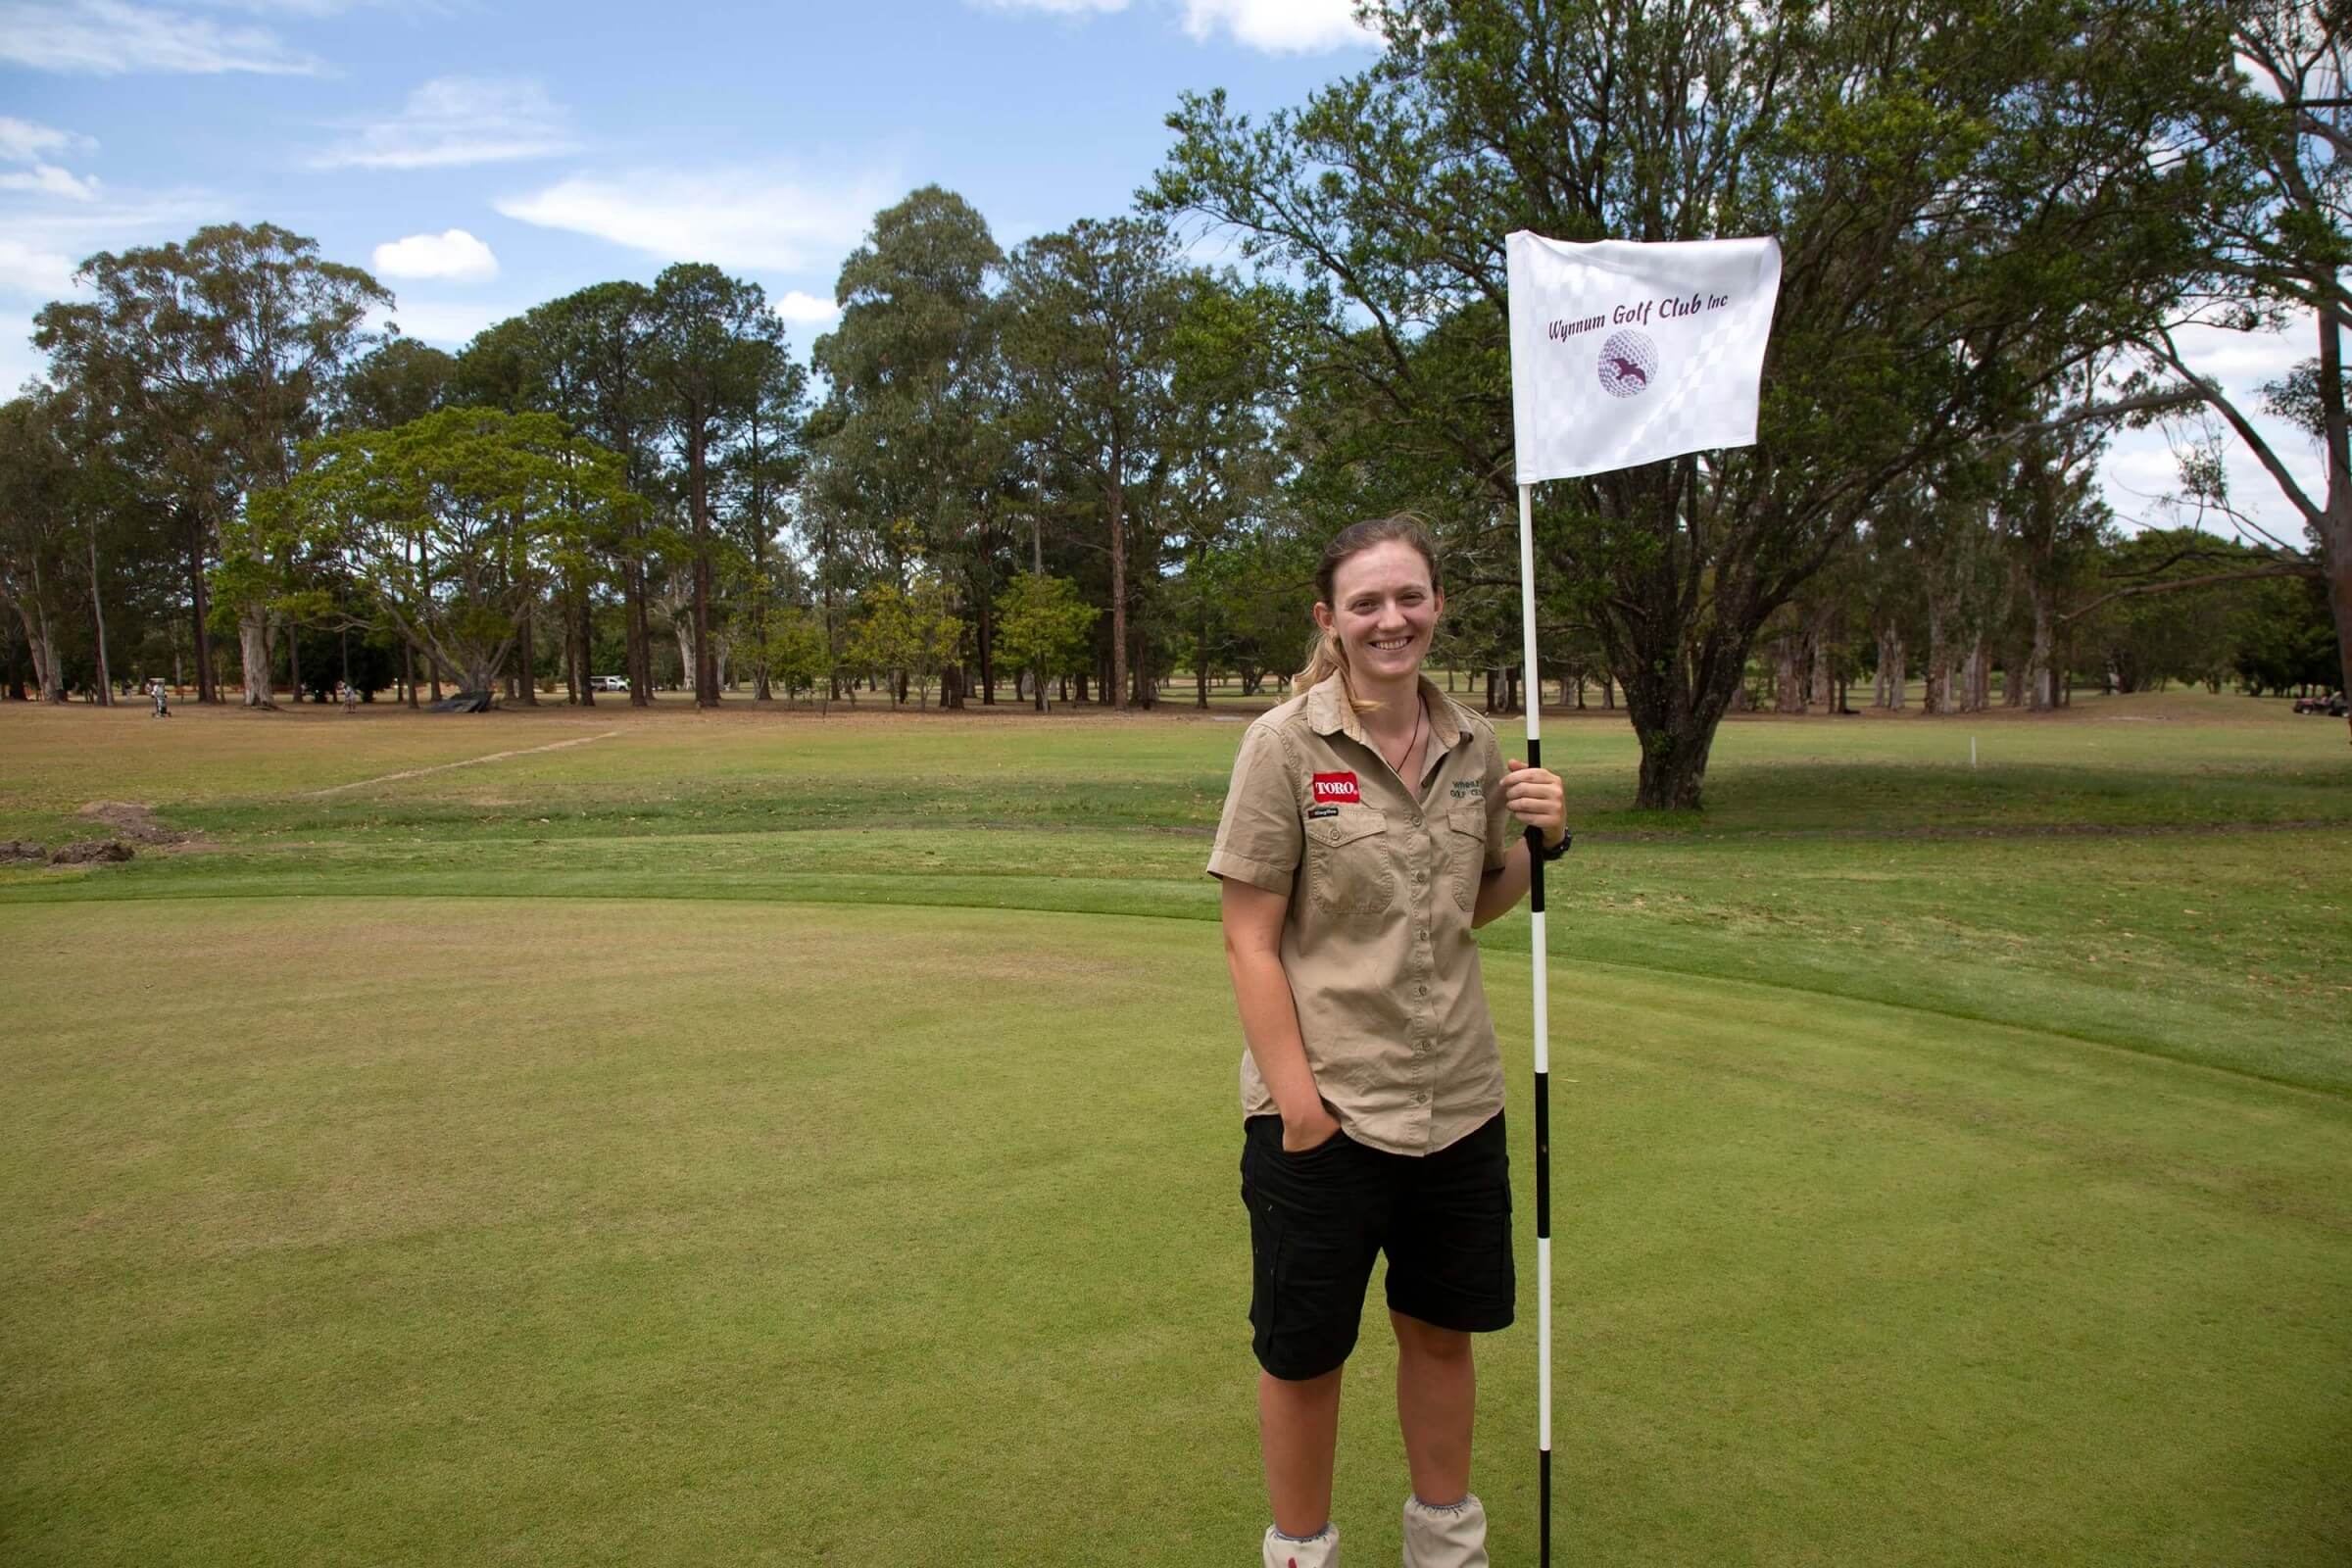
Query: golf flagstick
[(1621, 354), (1535, 907)]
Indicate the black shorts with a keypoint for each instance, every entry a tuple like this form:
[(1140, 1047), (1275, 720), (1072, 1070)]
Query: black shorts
[(1318, 1219)]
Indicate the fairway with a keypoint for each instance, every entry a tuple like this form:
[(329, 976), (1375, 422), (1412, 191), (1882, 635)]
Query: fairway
[(766, 1138)]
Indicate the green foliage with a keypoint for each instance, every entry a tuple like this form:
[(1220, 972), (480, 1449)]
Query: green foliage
[(910, 633), (447, 525), (1044, 627)]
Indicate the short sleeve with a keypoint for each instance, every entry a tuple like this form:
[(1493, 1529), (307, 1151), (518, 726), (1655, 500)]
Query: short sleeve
[(1259, 838), (1501, 832)]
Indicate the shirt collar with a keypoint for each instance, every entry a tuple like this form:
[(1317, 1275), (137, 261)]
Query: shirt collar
[(1329, 713)]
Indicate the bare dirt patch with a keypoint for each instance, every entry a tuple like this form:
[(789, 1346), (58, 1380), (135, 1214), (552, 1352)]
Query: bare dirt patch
[(90, 852), (133, 821)]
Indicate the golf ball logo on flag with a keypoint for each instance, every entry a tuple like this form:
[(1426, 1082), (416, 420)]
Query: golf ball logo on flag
[(1629, 362)]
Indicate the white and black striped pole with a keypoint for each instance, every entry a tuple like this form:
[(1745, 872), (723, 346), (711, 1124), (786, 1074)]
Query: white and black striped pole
[(1535, 906), (1622, 354)]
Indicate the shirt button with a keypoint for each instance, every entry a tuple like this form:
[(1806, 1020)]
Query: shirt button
[(1421, 1099), (1417, 821)]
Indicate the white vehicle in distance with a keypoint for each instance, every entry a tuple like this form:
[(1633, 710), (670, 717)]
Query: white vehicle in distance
[(611, 683)]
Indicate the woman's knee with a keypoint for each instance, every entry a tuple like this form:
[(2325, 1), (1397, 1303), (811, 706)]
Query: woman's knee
[(1427, 1341)]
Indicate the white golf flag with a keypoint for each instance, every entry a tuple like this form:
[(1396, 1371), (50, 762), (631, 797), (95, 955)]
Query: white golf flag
[(1625, 352)]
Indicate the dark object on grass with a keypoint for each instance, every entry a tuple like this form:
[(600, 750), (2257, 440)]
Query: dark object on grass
[(463, 703), (89, 852), (21, 850), (2332, 704)]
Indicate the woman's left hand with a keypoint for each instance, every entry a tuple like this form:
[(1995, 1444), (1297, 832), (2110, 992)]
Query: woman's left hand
[(1537, 798)]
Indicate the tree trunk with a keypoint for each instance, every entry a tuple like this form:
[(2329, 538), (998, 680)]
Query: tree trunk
[(526, 658), (106, 680), (199, 602), (641, 637), (253, 650), (1118, 578), (1787, 654), (1940, 662), (682, 627), (1823, 628)]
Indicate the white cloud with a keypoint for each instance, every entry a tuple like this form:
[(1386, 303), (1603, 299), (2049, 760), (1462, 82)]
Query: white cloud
[(24, 142), (808, 309), (452, 120), (32, 271), (109, 38), (50, 180), (1280, 26), (452, 254), (767, 219), (451, 323)]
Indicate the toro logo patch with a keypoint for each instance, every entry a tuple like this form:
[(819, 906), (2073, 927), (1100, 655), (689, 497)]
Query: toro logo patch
[(1333, 789)]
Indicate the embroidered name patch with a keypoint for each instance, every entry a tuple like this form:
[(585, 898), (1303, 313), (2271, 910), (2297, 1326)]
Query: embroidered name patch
[(1468, 789), (1335, 789), (1314, 811)]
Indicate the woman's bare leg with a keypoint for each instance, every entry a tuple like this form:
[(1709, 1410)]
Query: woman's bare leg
[(1298, 1427), (1437, 1400)]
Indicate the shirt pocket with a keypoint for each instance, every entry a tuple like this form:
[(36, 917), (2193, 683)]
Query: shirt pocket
[(1350, 870), (1466, 848)]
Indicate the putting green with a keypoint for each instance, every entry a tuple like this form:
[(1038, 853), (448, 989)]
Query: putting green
[(550, 1230)]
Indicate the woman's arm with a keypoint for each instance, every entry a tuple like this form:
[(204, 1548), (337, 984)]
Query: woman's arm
[(1537, 799), (1252, 920)]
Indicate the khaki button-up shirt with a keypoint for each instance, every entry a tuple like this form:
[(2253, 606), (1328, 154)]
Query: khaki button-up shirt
[(1382, 878)]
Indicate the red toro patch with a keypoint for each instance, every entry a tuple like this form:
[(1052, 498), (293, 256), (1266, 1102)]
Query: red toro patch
[(1335, 788)]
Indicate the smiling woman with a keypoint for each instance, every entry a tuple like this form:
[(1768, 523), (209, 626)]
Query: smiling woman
[(1371, 1087)]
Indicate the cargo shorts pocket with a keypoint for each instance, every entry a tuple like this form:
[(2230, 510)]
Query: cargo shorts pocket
[(1349, 866)]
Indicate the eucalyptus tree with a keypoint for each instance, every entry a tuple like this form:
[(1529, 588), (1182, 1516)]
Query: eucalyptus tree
[(492, 493), (714, 339), (37, 546), (760, 477), (1089, 317), (595, 349), (1966, 199), (224, 350), (910, 432), (2277, 259), (398, 381)]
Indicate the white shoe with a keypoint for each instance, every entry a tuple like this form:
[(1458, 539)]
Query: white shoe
[(1451, 1537), (1315, 1551)]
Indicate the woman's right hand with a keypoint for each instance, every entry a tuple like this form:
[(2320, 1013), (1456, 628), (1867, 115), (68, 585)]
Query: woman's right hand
[(1310, 1131)]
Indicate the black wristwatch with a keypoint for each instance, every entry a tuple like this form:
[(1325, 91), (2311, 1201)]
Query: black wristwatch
[(1552, 852)]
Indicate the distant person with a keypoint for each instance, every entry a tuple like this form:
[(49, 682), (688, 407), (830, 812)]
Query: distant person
[(160, 697), (1367, 832), (346, 696)]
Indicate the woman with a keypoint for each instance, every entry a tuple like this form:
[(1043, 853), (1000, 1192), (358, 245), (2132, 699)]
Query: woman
[(1367, 833)]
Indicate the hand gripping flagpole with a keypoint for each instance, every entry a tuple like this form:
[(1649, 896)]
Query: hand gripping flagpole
[(1535, 905)]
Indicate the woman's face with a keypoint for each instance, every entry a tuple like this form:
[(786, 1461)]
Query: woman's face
[(1385, 610)]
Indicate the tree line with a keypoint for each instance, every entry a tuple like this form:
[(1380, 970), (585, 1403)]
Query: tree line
[(1089, 463)]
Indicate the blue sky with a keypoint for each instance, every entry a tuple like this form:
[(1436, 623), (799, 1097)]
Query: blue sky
[(481, 157)]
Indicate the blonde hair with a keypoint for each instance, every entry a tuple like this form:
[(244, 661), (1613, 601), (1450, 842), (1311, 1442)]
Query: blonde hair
[(1329, 657)]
